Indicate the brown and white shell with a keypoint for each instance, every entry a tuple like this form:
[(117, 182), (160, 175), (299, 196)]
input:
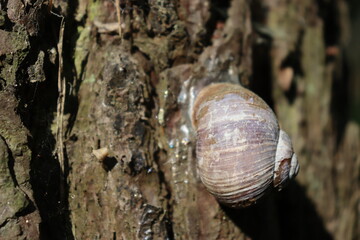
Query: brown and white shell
[(241, 151)]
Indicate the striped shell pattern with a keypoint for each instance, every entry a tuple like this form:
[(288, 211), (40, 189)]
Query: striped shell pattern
[(241, 151)]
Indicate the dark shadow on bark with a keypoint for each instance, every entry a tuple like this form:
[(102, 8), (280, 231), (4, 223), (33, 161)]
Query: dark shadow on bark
[(340, 100), (38, 103), (218, 14), (261, 79), (73, 78), (329, 12), (10, 163), (293, 61), (287, 215), (261, 82), (45, 169)]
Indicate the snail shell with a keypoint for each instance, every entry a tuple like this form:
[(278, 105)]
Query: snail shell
[(241, 151)]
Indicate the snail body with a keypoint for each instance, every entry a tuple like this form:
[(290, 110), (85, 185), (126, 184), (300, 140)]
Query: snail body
[(241, 151)]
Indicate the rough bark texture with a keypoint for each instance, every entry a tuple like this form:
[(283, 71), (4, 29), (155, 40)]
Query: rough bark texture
[(124, 166)]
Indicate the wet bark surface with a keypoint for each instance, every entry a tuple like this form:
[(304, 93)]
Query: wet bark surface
[(106, 150)]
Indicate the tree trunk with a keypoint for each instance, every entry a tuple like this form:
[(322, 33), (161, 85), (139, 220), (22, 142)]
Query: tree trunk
[(96, 140)]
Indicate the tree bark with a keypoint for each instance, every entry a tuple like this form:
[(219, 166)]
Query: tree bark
[(96, 140)]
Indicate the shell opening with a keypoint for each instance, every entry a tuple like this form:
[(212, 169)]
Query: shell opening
[(294, 167), (286, 164)]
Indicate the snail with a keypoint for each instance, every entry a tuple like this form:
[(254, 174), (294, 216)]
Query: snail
[(241, 151)]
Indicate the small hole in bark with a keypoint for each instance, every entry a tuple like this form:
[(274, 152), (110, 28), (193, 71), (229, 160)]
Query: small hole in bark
[(109, 163), (73, 137)]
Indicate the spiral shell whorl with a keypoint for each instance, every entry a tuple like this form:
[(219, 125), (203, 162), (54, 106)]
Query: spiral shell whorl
[(237, 135)]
